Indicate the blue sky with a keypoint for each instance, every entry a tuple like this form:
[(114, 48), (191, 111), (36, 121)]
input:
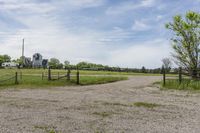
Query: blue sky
[(125, 33)]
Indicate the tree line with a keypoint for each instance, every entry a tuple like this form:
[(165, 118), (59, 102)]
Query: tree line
[(55, 63)]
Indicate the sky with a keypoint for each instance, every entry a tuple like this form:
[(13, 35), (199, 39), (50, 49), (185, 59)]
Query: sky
[(124, 33)]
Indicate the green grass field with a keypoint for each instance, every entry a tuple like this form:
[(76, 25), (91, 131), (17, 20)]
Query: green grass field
[(32, 78), (186, 84), (82, 72)]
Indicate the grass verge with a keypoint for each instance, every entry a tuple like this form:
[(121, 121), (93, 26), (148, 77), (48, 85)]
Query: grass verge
[(186, 84), (146, 105), (103, 114), (137, 104), (31, 81), (82, 72)]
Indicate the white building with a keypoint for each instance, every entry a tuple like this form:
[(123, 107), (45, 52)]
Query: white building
[(9, 64)]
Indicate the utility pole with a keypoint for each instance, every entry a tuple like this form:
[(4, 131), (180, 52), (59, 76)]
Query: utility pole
[(23, 53)]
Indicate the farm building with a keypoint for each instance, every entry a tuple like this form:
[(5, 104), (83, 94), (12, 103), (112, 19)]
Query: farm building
[(10, 64), (38, 61)]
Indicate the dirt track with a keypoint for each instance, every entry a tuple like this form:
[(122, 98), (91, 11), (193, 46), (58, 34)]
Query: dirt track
[(100, 108)]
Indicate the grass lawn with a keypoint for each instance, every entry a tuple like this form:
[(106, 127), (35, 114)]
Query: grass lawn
[(32, 78), (187, 84), (82, 72)]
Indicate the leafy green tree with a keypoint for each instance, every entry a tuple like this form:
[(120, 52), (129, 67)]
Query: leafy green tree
[(1, 60), (186, 41), (7, 58), (60, 66), (4, 58), (143, 70), (19, 61), (167, 64), (54, 63), (67, 63)]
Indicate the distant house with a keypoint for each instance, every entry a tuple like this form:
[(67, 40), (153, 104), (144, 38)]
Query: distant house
[(10, 64)]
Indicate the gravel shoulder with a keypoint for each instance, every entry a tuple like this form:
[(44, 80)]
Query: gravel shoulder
[(100, 108)]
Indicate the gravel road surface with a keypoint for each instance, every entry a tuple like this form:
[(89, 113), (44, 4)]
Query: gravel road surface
[(108, 108)]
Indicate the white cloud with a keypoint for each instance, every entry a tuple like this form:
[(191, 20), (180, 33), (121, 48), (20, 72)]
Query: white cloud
[(148, 54), (47, 6), (24, 5), (159, 17), (45, 33), (86, 3), (140, 26), (129, 6), (147, 3)]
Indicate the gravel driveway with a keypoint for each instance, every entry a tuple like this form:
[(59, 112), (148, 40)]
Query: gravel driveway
[(100, 108)]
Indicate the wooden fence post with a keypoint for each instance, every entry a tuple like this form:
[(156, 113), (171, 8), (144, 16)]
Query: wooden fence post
[(16, 78), (180, 75), (49, 74), (164, 76), (58, 75), (42, 75), (68, 74), (78, 78)]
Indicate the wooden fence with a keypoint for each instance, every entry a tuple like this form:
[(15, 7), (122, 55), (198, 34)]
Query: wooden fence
[(10, 77), (59, 76), (181, 72), (18, 76)]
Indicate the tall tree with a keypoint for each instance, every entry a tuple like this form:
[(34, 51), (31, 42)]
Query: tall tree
[(143, 70), (7, 58), (186, 41), (67, 63), (4, 58), (54, 62), (167, 64)]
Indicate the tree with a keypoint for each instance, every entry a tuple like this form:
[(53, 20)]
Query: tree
[(143, 70), (4, 58), (19, 61), (186, 41), (59, 66), (54, 63), (167, 64), (7, 58), (66, 63)]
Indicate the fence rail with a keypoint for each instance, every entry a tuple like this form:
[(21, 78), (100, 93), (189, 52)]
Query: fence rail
[(59, 76), (16, 77), (182, 72), (4, 80), (9, 77)]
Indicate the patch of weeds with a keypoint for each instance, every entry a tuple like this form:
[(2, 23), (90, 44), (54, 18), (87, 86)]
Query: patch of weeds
[(46, 129), (41, 127), (114, 104), (186, 84), (156, 83), (103, 114), (146, 105), (52, 131), (100, 132)]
